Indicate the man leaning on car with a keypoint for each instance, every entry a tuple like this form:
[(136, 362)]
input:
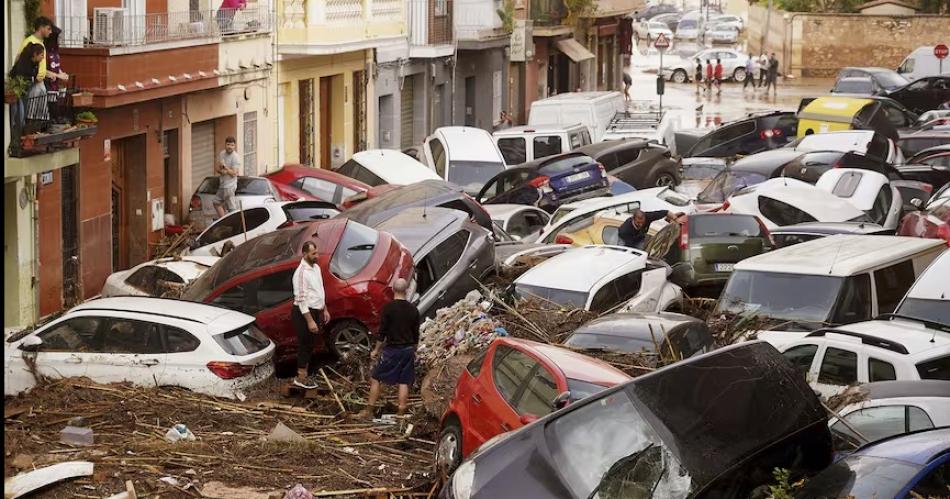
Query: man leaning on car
[(633, 231)]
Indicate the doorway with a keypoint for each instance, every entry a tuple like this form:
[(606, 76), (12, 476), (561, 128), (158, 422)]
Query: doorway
[(172, 177), (326, 111), (72, 291), (359, 111), (470, 101), (120, 230), (306, 122)]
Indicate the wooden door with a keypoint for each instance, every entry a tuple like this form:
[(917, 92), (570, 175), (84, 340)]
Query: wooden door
[(120, 225), (72, 291), (326, 121), (306, 122)]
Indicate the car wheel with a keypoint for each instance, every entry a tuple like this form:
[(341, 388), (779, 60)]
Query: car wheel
[(448, 453), (679, 76), (350, 338), (739, 75), (665, 179)]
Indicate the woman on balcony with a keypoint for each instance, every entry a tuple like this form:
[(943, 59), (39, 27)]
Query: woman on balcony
[(27, 67), (226, 14)]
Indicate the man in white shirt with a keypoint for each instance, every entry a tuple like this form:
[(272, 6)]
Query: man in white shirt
[(309, 314)]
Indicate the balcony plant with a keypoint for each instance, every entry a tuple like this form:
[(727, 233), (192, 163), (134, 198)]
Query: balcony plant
[(86, 119), (14, 88), (507, 15)]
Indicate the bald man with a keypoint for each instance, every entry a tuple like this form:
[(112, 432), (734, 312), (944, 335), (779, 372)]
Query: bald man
[(395, 348), (633, 231)]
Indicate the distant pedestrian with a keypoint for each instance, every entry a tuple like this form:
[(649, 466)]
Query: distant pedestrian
[(229, 167), (226, 13), (627, 82), (763, 69), (699, 75), (772, 79), (718, 76), (709, 76), (633, 231), (309, 314), (395, 349), (751, 66)]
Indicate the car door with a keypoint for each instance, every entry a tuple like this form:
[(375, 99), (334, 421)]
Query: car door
[(269, 298), (181, 360), (510, 186), (496, 395), (838, 369), (62, 353), (449, 274)]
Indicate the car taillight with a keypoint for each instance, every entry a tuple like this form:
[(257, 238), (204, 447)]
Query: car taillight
[(195, 202), (684, 234), (539, 182), (771, 133), (229, 370), (927, 187), (725, 206), (562, 239), (943, 232), (288, 223), (765, 231)]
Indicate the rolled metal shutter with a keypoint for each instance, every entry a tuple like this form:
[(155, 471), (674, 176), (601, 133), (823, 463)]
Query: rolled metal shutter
[(202, 152), (406, 117)]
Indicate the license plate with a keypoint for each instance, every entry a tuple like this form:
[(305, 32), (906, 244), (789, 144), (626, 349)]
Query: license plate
[(725, 267), (578, 176)]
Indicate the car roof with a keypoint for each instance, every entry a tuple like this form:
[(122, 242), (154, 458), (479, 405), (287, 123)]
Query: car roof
[(416, 227), (838, 255), (505, 211), (574, 365), (611, 145), (765, 162), (636, 324), (526, 129), (933, 283), (322, 173), (918, 447), (179, 265), (580, 269), (840, 105), (216, 318), (390, 162), (432, 191), (801, 195), (468, 144), (919, 341), (829, 228), (899, 389)]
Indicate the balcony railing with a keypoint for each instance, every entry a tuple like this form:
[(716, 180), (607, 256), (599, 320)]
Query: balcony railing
[(44, 123), (547, 12), (475, 17), (115, 27), (430, 22)]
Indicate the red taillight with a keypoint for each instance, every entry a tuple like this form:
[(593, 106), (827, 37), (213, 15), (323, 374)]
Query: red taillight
[(229, 370), (773, 133), (538, 182), (195, 202), (725, 206), (943, 232), (562, 239), (684, 234), (927, 187), (288, 223), (765, 231)]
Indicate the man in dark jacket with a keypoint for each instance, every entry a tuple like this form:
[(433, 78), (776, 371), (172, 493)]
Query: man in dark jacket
[(633, 231)]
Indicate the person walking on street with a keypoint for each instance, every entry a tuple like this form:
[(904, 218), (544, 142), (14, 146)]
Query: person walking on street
[(229, 166), (627, 83), (633, 231), (709, 76), (763, 69), (750, 68), (395, 349), (309, 314), (718, 76), (772, 79), (699, 75)]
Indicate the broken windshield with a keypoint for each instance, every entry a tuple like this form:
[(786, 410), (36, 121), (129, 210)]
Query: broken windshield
[(727, 183)]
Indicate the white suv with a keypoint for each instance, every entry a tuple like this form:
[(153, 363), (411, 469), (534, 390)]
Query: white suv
[(146, 342)]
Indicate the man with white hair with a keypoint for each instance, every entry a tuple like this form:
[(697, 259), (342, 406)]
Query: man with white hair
[(395, 349), (633, 231)]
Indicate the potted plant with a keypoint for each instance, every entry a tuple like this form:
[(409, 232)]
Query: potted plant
[(82, 99), (86, 119), (14, 88)]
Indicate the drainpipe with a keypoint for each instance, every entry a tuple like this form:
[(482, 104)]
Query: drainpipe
[(455, 65)]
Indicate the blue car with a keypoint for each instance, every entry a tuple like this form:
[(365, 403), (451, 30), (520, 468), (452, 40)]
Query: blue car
[(548, 182), (913, 465)]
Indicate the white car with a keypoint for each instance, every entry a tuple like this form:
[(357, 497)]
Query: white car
[(929, 298), (651, 30), (722, 33), (385, 166), (242, 226), (868, 191), (601, 278), (877, 350), (465, 156), (250, 192), (521, 221), (733, 65), (731, 21), (786, 201), (155, 277), (575, 215), (866, 142), (146, 342)]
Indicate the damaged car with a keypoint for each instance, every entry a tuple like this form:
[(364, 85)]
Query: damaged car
[(755, 133), (784, 201), (522, 222), (250, 192), (790, 235), (663, 334), (157, 277), (548, 182), (869, 191), (654, 436)]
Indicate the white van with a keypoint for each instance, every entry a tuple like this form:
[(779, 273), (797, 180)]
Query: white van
[(465, 156), (594, 109), (385, 166), (922, 62), (527, 143), (841, 279)]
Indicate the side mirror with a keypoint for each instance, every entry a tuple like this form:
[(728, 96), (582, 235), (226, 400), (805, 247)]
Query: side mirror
[(561, 401), (528, 419), (31, 343)]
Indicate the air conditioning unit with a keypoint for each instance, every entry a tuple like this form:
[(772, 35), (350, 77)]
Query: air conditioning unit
[(108, 26)]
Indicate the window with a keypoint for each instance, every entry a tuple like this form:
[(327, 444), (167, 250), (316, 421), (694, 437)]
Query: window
[(448, 253), (781, 213), (585, 135), (475, 366), (546, 145), (917, 419), (539, 393), (235, 298), (153, 279), (609, 161), (847, 184), (510, 368), (618, 291), (892, 284), (234, 224), (610, 235), (576, 140), (801, 357), (127, 336), (438, 156), (895, 115), (72, 335), (179, 341), (242, 341), (320, 188), (724, 225), (354, 251), (732, 132), (839, 367), (628, 155), (664, 241), (938, 368), (882, 205), (518, 225), (273, 289), (879, 370), (513, 150), (364, 175), (935, 484), (250, 142), (305, 211), (854, 300), (440, 8)]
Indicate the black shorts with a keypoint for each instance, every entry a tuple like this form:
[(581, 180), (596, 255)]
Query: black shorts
[(305, 339)]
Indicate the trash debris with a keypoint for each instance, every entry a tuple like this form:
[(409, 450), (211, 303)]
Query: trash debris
[(169, 480), (75, 435), (281, 433), (22, 461), (179, 432), (465, 327), (24, 483), (128, 493), (218, 490), (298, 492)]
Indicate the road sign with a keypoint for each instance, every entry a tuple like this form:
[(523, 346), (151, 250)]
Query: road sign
[(941, 51), (661, 43)]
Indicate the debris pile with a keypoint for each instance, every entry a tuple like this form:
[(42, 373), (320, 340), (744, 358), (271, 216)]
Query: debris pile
[(537, 319), (463, 328)]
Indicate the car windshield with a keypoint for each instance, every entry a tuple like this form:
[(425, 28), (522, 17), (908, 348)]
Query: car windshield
[(853, 87), (860, 476), (602, 444), (890, 80), (354, 251), (563, 297), (472, 175), (724, 225), (929, 310), (560, 213), (791, 297), (687, 24), (727, 183), (938, 368), (701, 171)]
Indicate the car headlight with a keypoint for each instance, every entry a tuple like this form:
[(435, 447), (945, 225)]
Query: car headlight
[(463, 480)]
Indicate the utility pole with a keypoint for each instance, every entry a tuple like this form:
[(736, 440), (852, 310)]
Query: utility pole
[(768, 20)]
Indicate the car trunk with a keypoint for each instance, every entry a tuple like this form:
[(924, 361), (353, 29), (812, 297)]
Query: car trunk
[(580, 178), (721, 253)]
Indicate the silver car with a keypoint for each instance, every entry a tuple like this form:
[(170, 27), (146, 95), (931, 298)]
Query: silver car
[(733, 65), (251, 192), (722, 33)]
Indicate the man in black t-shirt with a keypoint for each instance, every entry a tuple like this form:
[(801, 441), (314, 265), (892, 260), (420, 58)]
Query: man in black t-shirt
[(633, 231), (395, 349)]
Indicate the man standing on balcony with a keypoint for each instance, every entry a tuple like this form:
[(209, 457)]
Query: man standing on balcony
[(42, 27), (229, 165), (226, 14)]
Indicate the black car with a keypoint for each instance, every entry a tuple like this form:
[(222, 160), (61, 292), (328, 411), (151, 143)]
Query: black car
[(791, 235), (548, 182), (640, 163), (712, 426), (755, 133), (885, 79), (923, 95), (658, 334), (911, 143), (746, 172), (811, 165)]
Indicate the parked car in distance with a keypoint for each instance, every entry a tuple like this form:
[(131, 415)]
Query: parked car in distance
[(826, 281), (670, 19), (653, 11), (451, 254), (601, 278), (755, 133), (511, 384), (324, 185), (651, 30), (721, 33), (147, 342), (690, 28), (385, 166), (547, 183), (733, 64), (668, 335), (156, 277), (651, 437), (593, 109), (925, 94), (857, 85), (921, 62), (790, 235), (885, 78), (784, 201), (240, 226), (524, 144), (913, 143), (522, 222), (358, 264), (704, 249), (640, 163), (465, 156), (728, 20), (869, 191), (890, 408), (251, 192)]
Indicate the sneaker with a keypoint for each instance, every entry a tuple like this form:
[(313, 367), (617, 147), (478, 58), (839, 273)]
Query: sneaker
[(307, 385)]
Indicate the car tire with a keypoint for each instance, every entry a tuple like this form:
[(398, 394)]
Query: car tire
[(664, 179), (679, 76), (739, 75), (448, 450), (349, 337)]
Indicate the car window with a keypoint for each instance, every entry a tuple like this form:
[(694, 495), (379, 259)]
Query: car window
[(838, 367), (673, 197), (892, 284), (610, 235), (354, 251), (179, 341), (253, 187), (127, 336), (943, 160), (628, 155), (879, 370), (475, 366), (875, 423), (234, 224), (854, 300), (546, 145), (272, 289), (616, 292), (724, 225), (662, 244), (320, 188), (535, 221), (438, 156), (732, 132), (153, 279), (305, 211), (510, 368), (513, 150), (781, 213), (895, 116), (448, 253), (235, 298), (935, 484), (518, 224), (575, 139), (847, 184), (79, 334), (585, 135), (882, 204), (539, 393), (366, 176), (609, 161), (244, 340), (938, 368), (801, 357)]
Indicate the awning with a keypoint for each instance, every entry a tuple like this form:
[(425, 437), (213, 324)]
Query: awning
[(574, 50)]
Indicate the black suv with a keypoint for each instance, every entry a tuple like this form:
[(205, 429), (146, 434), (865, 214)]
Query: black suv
[(755, 133)]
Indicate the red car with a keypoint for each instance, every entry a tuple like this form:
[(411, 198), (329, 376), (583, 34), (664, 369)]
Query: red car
[(512, 384), (932, 223), (359, 266), (323, 185)]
